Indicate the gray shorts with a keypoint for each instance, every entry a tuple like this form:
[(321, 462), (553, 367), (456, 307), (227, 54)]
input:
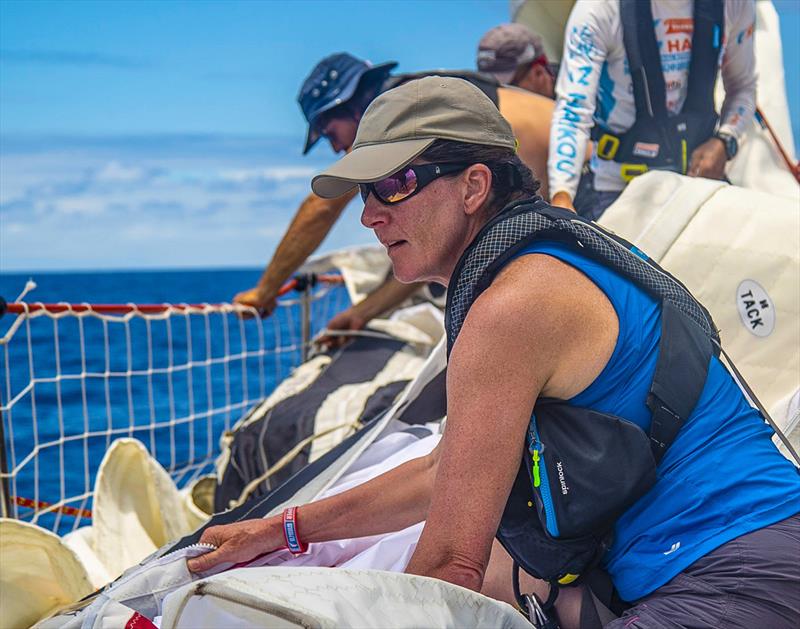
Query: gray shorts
[(751, 581)]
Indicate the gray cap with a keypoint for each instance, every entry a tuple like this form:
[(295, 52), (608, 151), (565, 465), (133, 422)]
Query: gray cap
[(506, 47), (402, 122)]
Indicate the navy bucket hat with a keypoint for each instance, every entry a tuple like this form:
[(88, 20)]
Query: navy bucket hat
[(333, 82)]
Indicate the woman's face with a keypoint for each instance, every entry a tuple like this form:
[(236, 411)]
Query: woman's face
[(340, 131), (338, 126), (426, 234)]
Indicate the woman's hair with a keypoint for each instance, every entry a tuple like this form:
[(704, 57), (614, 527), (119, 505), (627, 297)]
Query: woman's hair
[(367, 90), (501, 161)]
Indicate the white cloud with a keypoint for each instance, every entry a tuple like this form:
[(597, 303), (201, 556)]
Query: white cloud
[(274, 173), (87, 206), (173, 204), (116, 172)]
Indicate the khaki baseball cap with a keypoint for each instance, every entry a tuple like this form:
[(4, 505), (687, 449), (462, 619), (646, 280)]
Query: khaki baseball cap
[(402, 122)]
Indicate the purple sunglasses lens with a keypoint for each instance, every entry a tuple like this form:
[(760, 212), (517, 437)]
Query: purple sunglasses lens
[(397, 186)]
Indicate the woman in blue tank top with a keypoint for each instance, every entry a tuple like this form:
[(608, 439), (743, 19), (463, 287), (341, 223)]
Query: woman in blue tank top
[(714, 541), (720, 479)]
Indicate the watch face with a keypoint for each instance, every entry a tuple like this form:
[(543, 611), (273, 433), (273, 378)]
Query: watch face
[(731, 145)]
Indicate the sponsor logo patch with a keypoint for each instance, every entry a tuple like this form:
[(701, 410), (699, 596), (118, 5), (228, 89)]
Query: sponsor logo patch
[(679, 25), (673, 548), (756, 308), (645, 149), (561, 479), (679, 44)]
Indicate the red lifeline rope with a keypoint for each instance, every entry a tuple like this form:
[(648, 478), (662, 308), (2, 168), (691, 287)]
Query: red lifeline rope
[(793, 168), (21, 308), (299, 283), (42, 505)]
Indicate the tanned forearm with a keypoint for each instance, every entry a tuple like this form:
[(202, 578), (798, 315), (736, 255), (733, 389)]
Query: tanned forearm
[(387, 296), (314, 219), (387, 503)]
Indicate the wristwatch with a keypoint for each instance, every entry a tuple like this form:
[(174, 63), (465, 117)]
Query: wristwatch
[(730, 142)]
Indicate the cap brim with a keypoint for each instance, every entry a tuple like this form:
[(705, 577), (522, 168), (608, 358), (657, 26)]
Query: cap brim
[(312, 137), (367, 164)]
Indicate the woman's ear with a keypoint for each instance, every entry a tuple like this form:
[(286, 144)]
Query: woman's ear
[(478, 187)]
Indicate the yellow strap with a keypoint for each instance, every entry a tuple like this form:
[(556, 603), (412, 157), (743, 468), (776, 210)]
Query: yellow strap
[(629, 171), (683, 155), (607, 146), (567, 579)]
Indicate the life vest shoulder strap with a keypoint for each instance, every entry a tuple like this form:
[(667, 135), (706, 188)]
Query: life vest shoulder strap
[(684, 354), (644, 57), (530, 220), (688, 331)]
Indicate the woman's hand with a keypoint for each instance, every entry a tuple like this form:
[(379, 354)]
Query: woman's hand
[(238, 542)]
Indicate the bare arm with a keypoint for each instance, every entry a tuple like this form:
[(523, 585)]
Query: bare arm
[(512, 347), (389, 502), (481, 448), (314, 219), (387, 296)]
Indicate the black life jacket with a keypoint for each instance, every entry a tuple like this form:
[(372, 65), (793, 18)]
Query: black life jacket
[(658, 140), (486, 83), (561, 527)]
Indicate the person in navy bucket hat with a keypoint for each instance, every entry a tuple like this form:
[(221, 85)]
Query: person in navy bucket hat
[(333, 99), (332, 84)]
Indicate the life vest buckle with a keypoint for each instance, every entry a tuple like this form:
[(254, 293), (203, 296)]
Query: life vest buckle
[(607, 146), (568, 578), (629, 171)]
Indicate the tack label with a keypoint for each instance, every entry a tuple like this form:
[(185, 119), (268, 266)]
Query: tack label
[(756, 308)]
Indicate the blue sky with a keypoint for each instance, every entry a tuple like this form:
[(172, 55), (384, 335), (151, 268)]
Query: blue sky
[(156, 134), (207, 67)]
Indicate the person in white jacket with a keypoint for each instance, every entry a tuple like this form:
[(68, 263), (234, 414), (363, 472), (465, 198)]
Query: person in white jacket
[(661, 115)]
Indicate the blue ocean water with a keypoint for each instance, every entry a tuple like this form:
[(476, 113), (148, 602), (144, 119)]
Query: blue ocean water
[(177, 383)]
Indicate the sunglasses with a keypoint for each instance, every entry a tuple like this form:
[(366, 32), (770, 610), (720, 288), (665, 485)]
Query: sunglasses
[(405, 183), (522, 70)]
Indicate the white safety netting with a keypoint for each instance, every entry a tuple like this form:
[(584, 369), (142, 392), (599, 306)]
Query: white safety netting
[(75, 377)]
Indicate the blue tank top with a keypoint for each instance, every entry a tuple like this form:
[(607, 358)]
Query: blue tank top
[(721, 478)]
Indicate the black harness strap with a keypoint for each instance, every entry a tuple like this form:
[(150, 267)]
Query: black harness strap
[(709, 24), (658, 139), (680, 375), (644, 59)]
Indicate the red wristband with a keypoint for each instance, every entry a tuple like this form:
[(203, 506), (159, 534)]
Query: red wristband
[(290, 533)]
